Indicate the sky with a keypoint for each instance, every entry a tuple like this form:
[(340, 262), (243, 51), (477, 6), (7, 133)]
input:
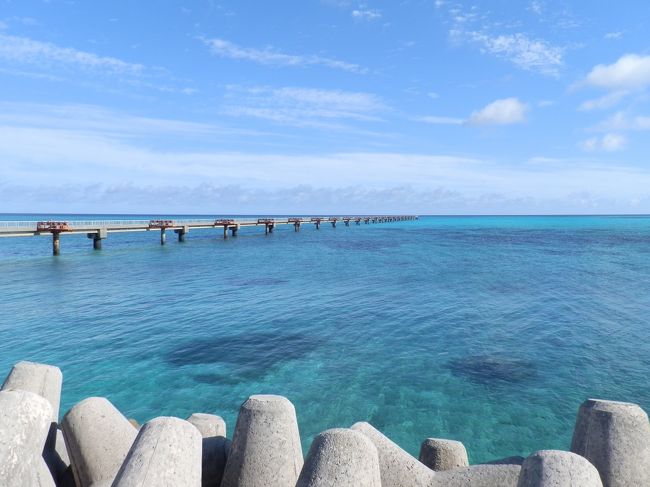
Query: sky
[(324, 106)]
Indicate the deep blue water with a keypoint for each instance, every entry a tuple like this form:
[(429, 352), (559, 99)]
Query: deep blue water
[(488, 330)]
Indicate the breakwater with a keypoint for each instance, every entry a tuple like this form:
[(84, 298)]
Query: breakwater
[(95, 445), (99, 230)]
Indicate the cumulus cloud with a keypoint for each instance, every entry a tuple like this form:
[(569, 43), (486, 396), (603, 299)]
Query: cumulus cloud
[(609, 143), (630, 72), (272, 57), (506, 111), (608, 101), (621, 121)]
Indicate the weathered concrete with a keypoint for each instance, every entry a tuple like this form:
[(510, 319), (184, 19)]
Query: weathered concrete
[(341, 458), (25, 420), (398, 468), (41, 379), (265, 449), (439, 454), (215, 447), (615, 438), (208, 424), (166, 453), (478, 476), (98, 438), (514, 460), (44, 477), (555, 468)]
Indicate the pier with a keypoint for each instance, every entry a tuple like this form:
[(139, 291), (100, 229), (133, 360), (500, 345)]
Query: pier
[(98, 230)]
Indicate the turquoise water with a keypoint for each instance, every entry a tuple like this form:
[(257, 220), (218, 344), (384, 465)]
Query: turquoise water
[(489, 330)]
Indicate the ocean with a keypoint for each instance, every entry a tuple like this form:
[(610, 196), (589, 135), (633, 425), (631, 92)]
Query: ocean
[(487, 330)]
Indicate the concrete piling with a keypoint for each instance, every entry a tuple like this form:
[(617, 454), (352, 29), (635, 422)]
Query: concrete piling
[(181, 232), (554, 468), (56, 243), (615, 438), (397, 467), (343, 458), (215, 447), (265, 450), (163, 236), (166, 453), (98, 438), (439, 454), (25, 420)]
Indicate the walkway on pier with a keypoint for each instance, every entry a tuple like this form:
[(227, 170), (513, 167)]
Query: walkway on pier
[(99, 230)]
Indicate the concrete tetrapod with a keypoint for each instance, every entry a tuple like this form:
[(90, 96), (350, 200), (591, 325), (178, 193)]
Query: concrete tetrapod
[(41, 379), (341, 457), (45, 381), (25, 420), (166, 453), (215, 447), (265, 450), (439, 454), (479, 476), (555, 468), (398, 468), (615, 438), (98, 438)]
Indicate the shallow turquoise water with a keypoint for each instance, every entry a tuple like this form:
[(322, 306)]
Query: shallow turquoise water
[(489, 330)]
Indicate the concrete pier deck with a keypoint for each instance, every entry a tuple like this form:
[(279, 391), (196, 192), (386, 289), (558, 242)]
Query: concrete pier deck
[(98, 230)]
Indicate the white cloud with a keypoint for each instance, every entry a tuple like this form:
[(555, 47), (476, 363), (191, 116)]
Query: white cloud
[(364, 13), (506, 111), (272, 57), (545, 103), (433, 95), (609, 143), (521, 50), (613, 35), (306, 107), (630, 72), (27, 51), (604, 102), (435, 120), (621, 121)]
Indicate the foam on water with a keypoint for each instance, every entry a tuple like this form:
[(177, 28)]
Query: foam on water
[(488, 330)]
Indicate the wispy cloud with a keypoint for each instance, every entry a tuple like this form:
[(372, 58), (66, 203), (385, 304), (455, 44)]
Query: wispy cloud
[(22, 56), (613, 36), (608, 101), (435, 120), (272, 57), (608, 143), (622, 121), (523, 51), (366, 14), (304, 106), (27, 51)]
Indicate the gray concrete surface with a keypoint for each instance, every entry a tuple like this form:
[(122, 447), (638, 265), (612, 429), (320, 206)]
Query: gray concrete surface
[(555, 468), (440, 454)]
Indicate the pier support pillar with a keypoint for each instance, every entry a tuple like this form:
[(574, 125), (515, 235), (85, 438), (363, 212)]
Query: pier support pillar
[(347, 223), (225, 231), (56, 243), (234, 230), (333, 224), (317, 225), (163, 236), (296, 227), (181, 233), (97, 237), (268, 228)]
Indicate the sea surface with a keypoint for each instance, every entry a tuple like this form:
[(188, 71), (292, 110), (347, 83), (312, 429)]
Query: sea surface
[(487, 330)]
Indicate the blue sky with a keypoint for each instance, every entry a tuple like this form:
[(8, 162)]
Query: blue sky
[(424, 106)]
